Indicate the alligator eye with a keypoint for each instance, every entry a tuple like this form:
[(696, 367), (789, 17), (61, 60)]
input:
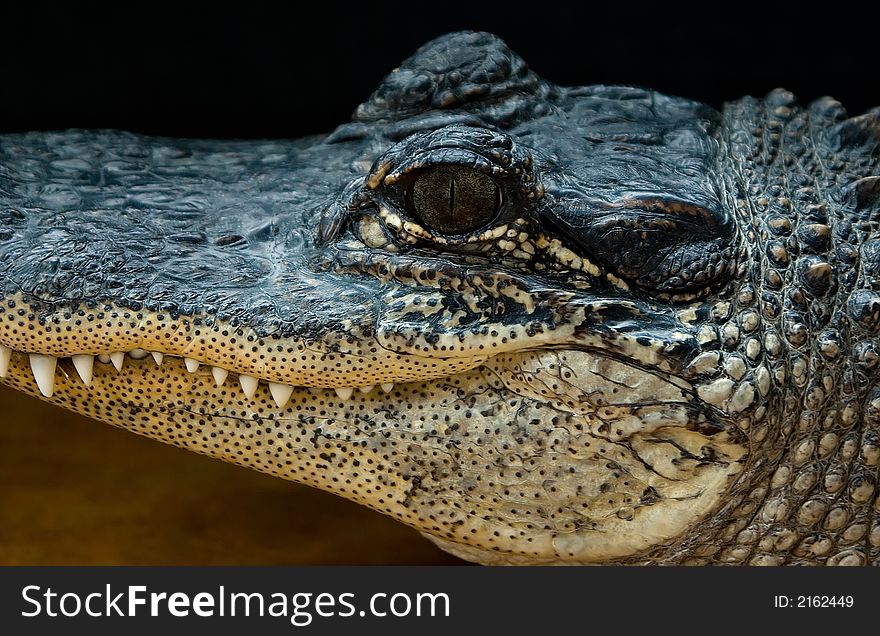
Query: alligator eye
[(454, 199)]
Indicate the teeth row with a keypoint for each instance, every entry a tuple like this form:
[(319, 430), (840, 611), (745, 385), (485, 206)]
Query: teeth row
[(43, 368)]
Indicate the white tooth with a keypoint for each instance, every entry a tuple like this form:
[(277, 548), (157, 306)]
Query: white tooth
[(104, 358), (5, 354), (345, 393), (249, 385), (191, 365), (367, 389), (280, 393), (138, 354), (219, 374), (84, 365), (157, 357), (388, 387), (43, 368), (117, 358)]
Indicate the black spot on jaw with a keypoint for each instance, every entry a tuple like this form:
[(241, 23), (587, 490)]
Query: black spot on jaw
[(649, 496), (709, 422)]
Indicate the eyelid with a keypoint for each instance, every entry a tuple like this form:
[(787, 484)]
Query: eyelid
[(445, 156)]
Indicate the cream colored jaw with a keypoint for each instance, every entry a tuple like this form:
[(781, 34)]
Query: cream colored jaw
[(43, 369)]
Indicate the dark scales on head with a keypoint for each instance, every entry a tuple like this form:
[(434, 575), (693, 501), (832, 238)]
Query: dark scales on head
[(540, 324)]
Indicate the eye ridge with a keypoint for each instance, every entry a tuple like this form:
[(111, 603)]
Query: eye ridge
[(453, 199)]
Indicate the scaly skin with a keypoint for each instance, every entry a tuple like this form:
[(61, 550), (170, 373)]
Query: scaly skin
[(646, 334)]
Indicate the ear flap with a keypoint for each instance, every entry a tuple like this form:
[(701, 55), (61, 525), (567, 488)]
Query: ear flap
[(863, 197), (452, 71), (861, 131)]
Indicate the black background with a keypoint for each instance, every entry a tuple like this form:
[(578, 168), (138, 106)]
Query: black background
[(254, 69)]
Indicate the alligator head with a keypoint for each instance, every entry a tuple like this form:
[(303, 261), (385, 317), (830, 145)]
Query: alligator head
[(538, 324)]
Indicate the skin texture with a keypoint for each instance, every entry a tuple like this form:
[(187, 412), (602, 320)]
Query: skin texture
[(650, 339)]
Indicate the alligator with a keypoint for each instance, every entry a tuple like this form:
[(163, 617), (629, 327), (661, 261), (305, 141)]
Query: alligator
[(541, 325)]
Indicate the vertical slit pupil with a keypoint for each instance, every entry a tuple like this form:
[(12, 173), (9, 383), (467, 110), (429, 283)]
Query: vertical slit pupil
[(452, 196)]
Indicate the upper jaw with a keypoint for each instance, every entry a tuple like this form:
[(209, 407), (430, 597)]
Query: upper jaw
[(347, 356), (356, 354), (329, 317)]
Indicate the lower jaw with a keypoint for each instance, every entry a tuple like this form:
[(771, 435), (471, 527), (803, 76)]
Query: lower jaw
[(442, 456), (202, 407)]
